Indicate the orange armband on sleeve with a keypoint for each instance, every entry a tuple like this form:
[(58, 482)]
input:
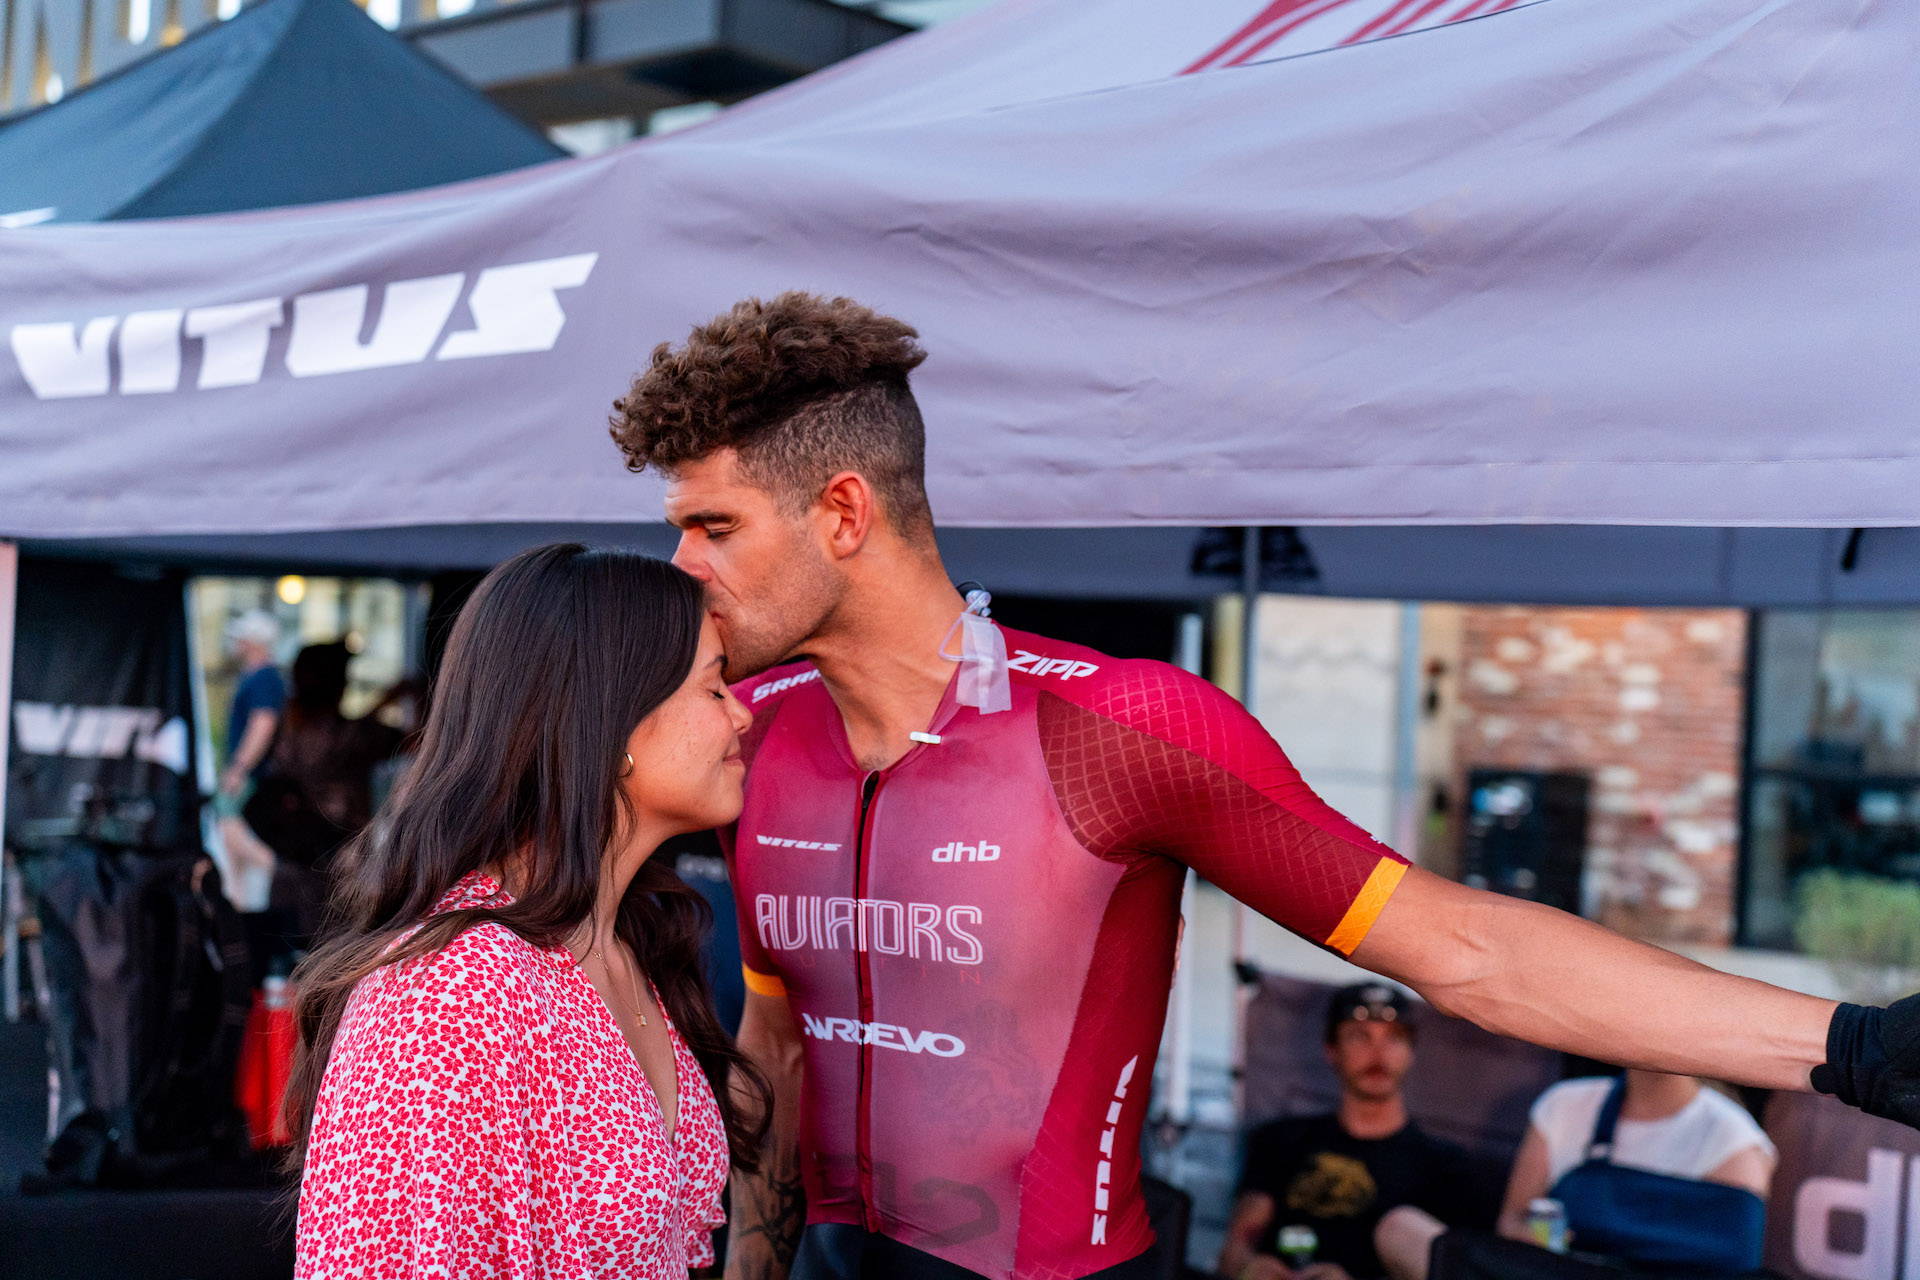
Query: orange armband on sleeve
[(764, 984)]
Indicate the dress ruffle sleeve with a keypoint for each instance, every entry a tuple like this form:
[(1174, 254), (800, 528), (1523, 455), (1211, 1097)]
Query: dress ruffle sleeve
[(702, 1222)]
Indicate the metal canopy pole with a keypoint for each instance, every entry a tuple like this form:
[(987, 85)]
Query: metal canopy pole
[(1179, 1106), (1406, 750), (10, 963), (1251, 576), (9, 589)]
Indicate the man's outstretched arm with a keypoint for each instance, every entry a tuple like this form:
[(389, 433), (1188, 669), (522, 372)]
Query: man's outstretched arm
[(1528, 971), (769, 1207), (1190, 774)]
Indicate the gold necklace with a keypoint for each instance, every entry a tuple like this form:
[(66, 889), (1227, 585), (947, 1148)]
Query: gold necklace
[(637, 1012)]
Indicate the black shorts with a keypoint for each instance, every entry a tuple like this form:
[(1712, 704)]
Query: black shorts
[(836, 1251)]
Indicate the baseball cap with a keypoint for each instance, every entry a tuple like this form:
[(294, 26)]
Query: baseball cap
[(256, 625), (1369, 1002)]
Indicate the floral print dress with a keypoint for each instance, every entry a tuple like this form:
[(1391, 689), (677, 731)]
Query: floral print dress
[(481, 1115)]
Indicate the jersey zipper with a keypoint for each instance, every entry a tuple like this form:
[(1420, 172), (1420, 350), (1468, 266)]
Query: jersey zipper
[(863, 1115)]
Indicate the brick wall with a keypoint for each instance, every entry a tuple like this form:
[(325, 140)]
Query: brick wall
[(1649, 702)]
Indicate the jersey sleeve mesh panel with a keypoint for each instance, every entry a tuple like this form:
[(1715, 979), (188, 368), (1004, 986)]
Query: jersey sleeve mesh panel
[(1154, 761)]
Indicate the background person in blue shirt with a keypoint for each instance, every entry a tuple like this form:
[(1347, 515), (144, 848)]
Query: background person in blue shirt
[(259, 699)]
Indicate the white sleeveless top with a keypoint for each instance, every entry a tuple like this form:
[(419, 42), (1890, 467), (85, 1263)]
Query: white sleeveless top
[(1690, 1143)]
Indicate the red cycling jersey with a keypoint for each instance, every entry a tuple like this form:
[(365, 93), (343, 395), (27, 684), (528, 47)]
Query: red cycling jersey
[(978, 941)]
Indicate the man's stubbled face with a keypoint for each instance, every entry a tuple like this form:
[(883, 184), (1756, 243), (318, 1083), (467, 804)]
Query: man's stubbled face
[(769, 582)]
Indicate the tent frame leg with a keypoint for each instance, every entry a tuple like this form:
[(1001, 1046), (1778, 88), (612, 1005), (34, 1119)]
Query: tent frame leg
[(1252, 575), (9, 916), (1188, 656), (1251, 572)]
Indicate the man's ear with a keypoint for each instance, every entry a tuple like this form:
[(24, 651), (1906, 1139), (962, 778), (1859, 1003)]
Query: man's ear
[(848, 510)]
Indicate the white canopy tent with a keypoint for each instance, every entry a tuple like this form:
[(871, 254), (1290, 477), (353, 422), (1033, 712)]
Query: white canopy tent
[(1569, 300), (1558, 301), (1568, 264)]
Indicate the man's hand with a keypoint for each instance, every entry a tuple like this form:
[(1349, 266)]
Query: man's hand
[(1873, 1060), (256, 738), (1240, 1256)]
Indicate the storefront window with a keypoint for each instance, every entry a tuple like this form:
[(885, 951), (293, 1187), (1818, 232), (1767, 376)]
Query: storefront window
[(1834, 751)]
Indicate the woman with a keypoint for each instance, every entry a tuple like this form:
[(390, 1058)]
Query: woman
[(325, 754), (1648, 1168), (509, 1063), (1585, 1136), (316, 788)]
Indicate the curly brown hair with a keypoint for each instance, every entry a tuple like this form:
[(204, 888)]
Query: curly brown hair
[(802, 388)]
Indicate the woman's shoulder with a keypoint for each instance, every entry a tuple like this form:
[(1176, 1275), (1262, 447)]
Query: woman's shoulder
[(485, 950), (486, 978), (1724, 1113), (1578, 1099)]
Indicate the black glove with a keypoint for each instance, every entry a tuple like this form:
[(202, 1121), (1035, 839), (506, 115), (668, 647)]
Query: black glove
[(1873, 1060)]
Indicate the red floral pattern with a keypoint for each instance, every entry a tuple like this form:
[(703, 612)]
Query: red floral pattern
[(482, 1115)]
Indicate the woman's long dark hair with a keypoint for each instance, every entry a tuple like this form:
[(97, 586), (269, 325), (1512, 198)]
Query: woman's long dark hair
[(554, 659)]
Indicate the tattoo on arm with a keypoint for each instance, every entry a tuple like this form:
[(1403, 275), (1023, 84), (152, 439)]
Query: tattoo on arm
[(770, 1209)]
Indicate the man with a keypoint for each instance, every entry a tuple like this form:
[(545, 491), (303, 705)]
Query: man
[(959, 889), (259, 699), (1338, 1173)]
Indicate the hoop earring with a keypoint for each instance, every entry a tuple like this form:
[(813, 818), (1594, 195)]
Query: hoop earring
[(628, 756)]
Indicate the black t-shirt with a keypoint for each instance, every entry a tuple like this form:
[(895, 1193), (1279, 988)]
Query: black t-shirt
[(1320, 1176)]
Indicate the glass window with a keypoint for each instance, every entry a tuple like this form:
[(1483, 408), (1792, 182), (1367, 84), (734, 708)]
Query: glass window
[(1834, 755), (918, 13), (379, 620)]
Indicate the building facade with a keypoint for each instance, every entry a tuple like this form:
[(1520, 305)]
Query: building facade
[(549, 61)]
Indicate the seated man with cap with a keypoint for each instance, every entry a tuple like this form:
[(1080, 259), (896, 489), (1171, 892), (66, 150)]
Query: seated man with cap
[(1313, 1188)]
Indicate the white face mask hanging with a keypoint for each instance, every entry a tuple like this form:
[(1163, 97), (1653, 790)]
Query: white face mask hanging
[(982, 657)]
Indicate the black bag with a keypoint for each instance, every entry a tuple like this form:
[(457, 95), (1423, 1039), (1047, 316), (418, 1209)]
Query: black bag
[(1480, 1255), (147, 970)]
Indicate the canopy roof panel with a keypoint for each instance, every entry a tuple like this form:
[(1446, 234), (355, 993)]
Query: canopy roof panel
[(1573, 263), (289, 102)]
